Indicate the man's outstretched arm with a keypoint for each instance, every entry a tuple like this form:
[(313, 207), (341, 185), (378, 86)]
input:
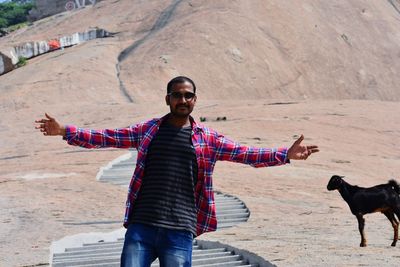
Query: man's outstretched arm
[(120, 138), (262, 157)]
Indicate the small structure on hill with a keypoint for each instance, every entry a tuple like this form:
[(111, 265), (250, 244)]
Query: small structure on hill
[(20, 53)]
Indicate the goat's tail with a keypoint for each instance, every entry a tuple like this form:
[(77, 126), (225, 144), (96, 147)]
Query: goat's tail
[(395, 186)]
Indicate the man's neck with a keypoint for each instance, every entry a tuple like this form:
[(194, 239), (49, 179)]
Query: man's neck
[(178, 121)]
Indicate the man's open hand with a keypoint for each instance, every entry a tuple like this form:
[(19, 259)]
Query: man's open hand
[(298, 151), (50, 126)]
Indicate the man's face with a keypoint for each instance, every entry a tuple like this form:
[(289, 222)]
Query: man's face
[(181, 100)]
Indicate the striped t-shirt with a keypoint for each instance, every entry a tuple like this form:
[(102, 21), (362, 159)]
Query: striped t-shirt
[(166, 197)]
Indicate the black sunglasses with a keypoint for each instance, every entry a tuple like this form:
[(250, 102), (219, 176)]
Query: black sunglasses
[(188, 95)]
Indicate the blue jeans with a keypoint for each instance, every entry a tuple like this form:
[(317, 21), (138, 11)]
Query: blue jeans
[(144, 243)]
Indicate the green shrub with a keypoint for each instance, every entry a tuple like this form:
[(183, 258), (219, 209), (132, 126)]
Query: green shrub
[(22, 61), (17, 26)]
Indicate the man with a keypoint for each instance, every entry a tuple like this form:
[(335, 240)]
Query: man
[(170, 197)]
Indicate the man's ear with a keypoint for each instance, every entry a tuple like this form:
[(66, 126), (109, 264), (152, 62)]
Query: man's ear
[(167, 100)]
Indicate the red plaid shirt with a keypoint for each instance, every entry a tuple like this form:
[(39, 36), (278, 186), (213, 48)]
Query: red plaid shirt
[(209, 147)]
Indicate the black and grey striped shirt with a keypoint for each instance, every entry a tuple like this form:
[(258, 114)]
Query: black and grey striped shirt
[(166, 197)]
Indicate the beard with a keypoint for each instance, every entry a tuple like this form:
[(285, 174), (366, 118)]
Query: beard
[(181, 113)]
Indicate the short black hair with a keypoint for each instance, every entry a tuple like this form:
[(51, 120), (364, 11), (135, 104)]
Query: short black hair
[(180, 79)]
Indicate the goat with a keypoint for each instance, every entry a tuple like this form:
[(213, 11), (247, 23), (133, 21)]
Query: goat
[(380, 198)]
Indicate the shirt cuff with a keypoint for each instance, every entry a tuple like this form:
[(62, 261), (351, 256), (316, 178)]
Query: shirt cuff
[(282, 155), (70, 132)]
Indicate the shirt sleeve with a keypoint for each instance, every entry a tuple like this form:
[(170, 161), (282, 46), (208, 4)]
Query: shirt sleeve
[(229, 150), (119, 138)]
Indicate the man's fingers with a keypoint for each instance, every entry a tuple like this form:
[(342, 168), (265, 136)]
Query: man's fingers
[(49, 117), (298, 141), (42, 125), (313, 150)]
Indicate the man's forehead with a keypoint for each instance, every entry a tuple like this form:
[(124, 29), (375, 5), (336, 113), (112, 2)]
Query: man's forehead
[(186, 86)]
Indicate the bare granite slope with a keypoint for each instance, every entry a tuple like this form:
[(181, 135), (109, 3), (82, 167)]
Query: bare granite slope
[(278, 49)]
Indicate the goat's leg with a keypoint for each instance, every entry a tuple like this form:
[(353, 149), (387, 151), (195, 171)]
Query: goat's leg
[(361, 223), (396, 210), (395, 224)]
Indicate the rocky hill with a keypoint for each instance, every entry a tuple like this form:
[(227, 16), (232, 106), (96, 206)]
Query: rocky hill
[(236, 49)]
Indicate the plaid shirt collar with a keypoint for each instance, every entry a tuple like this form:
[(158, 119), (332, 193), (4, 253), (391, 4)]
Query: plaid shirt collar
[(195, 127)]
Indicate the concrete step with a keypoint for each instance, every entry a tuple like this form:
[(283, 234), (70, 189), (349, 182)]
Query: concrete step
[(118, 171), (241, 215), (107, 252), (230, 211), (116, 178), (230, 206), (106, 256), (115, 174)]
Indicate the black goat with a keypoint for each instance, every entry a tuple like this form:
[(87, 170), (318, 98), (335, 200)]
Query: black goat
[(380, 198)]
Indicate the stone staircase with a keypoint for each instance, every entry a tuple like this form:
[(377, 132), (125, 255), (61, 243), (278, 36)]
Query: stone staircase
[(108, 254)]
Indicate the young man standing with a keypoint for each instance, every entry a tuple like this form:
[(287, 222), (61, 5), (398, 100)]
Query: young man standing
[(170, 197)]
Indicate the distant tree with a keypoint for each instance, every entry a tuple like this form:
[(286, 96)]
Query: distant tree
[(3, 22), (22, 2), (14, 12)]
